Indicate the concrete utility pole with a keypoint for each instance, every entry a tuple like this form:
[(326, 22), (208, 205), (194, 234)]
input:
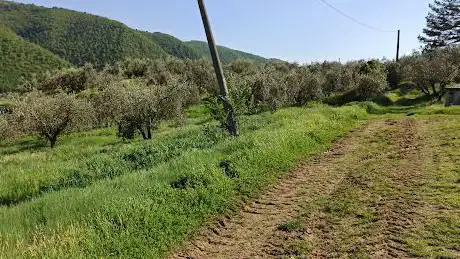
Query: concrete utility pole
[(223, 96), (397, 46)]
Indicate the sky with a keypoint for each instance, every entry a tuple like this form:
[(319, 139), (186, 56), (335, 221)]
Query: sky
[(300, 31)]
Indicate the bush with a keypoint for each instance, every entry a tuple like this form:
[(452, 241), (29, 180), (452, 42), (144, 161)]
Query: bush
[(269, 88), (275, 86)]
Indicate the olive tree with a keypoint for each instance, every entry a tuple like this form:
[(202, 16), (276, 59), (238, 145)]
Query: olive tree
[(135, 106), (5, 128), (431, 72), (303, 86), (243, 66), (132, 68), (200, 74), (370, 85), (51, 115), (270, 89)]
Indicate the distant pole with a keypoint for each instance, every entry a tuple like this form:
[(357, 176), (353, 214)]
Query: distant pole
[(397, 46), (231, 120)]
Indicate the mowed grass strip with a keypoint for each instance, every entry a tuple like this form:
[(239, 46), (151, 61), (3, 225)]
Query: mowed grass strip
[(399, 196), (438, 233), (151, 211)]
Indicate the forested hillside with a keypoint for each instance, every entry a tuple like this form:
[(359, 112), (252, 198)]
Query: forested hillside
[(19, 58), (77, 37), (173, 46), (227, 55), (84, 38), (81, 38)]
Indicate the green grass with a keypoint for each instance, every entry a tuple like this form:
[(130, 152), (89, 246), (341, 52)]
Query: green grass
[(153, 204), (400, 188), (290, 226), (439, 233), (84, 158), (5, 101), (421, 109)]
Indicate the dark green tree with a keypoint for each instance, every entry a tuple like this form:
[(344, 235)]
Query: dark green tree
[(443, 24)]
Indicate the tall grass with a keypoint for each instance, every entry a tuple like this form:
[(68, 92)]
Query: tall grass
[(154, 205), (98, 157)]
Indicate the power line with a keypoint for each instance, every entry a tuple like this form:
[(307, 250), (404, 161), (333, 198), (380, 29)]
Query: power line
[(355, 20)]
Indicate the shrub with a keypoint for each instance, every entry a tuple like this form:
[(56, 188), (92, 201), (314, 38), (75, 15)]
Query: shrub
[(275, 86), (331, 81), (241, 94)]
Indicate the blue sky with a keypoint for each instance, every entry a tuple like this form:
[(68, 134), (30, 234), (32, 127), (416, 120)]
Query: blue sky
[(293, 30)]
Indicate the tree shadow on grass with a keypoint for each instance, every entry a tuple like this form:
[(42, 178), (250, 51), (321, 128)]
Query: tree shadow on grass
[(18, 146), (424, 99)]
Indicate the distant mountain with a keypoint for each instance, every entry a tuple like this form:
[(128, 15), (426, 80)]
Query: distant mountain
[(227, 55), (20, 58), (81, 38)]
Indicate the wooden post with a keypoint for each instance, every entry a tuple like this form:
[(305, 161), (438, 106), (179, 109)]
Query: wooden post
[(223, 96), (397, 46)]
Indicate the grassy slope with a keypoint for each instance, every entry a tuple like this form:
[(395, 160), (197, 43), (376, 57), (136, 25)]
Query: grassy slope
[(227, 55), (138, 212), (19, 58)]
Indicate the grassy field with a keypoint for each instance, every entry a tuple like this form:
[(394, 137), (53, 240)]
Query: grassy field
[(95, 195)]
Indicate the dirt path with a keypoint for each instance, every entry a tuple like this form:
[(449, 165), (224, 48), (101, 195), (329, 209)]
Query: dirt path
[(359, 198)]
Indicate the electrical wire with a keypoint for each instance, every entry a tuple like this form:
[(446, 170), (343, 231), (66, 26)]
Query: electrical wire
[(355, 20)]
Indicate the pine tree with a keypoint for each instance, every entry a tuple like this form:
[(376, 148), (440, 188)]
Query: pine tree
[(443, 24)]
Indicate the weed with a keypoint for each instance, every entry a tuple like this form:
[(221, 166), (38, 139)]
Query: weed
[(290, 226)]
